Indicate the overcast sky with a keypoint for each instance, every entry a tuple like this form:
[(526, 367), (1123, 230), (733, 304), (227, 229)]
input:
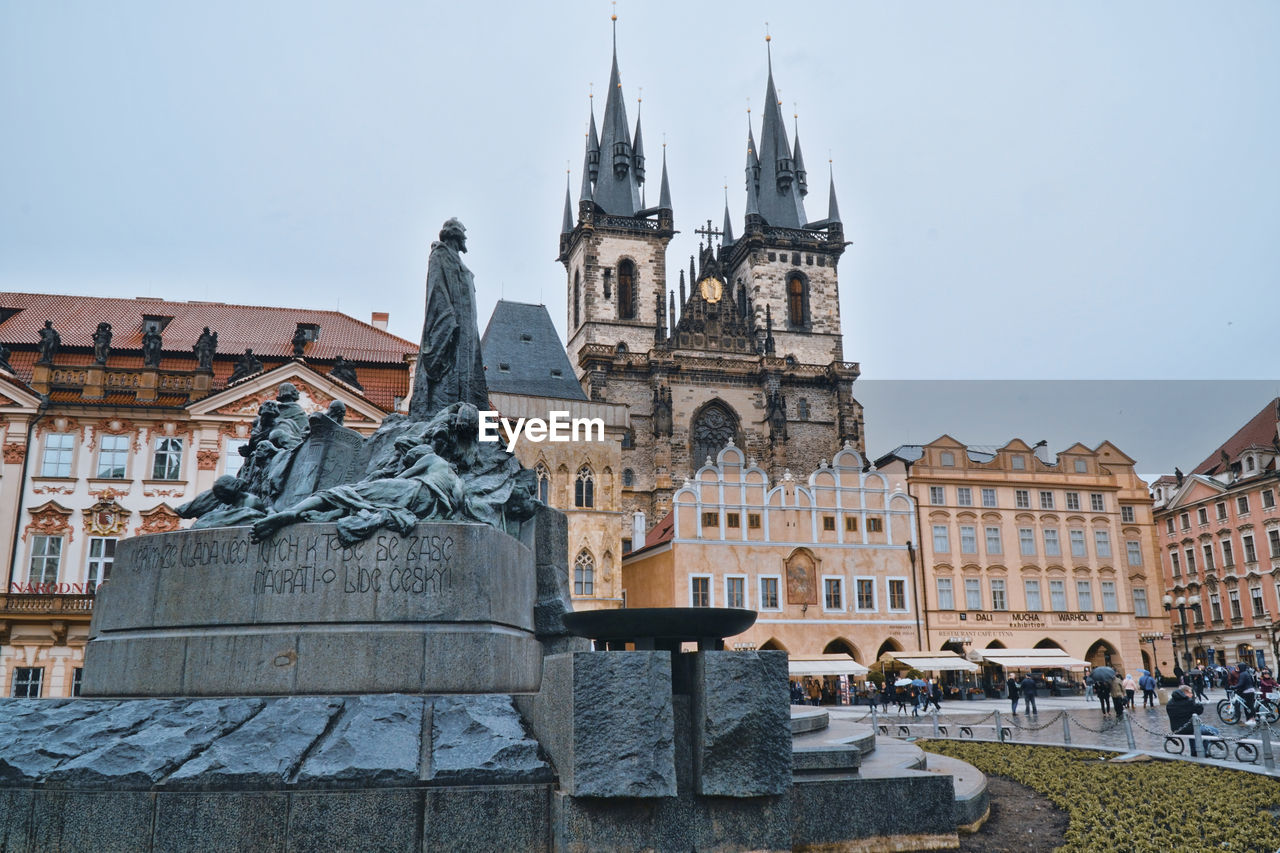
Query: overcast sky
[(1032, 190)]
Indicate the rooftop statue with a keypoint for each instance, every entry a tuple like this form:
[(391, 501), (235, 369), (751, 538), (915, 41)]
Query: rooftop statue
[(206, 345), (428, 465), (50, 343), (102, 343)]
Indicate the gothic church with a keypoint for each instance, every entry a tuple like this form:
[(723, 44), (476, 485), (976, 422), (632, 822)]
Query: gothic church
[(749, 352)]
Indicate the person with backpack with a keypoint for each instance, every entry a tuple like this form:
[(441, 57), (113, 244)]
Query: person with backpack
[(1012, 686)]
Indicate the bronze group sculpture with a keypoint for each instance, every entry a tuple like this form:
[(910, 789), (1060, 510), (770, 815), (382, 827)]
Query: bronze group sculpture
[(428, 465)]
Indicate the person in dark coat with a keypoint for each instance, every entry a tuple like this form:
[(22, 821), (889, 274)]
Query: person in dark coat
[(1012, 685), (1102, 689), (1028, 690), (1180, 709), (1148, 685)]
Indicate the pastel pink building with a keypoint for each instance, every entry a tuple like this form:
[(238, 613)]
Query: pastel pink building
[(1218, 534)]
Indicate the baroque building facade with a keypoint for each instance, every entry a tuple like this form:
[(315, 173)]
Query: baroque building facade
[(825, 561), (130, 408), (748, 348), (1219, 547), (1021, 550)]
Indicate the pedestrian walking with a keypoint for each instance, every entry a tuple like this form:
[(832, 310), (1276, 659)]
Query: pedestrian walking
[(1028, 690), (1117, 698), (1012, 686), (1197, 684), (935, 696), (1130, 687), (1102, 689), (1148, 685)]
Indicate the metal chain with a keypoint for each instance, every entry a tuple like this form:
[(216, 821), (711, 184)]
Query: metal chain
[(1108, 724), (1032, 728)]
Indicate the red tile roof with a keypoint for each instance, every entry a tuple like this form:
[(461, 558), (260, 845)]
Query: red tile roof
[(1259, 431), (663, 531), (266, 330)]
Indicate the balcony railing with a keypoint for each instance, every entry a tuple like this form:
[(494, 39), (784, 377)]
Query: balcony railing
[(21, 604)]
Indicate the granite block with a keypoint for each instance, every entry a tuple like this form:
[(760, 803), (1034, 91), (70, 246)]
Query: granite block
[(265, 751), (914, 808), (210, 822), (64, 732), (498, 819), (91, 822), (144, 666), (15, 820), (826, 759), (376, 740), (582, 824), (606, 720), (244, 662), (159, 745), (481, 740), (741, 724), (343, 660), (324, 821)]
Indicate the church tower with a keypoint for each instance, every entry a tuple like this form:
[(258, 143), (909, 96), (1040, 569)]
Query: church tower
[(614, 251), (786, 262)]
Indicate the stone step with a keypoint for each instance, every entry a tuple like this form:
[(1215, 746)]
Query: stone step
[(807, 718), (972, 800)]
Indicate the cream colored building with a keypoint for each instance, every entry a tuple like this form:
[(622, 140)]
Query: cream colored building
[(1020, 550), (826, 561)]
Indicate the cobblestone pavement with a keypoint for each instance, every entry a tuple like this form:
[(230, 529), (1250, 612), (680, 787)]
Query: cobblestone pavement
[(1086, 723)]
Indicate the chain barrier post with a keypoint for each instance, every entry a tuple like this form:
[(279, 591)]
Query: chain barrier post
[(999, 727), (875, 724), (1066, 727), (935, 722), (1268, 757), (1195, 732), (1128, 733)]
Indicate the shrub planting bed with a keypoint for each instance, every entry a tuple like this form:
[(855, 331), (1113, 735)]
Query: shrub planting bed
[(1141, 806)]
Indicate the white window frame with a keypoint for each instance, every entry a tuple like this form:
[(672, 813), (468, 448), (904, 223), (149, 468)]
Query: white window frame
[(1140, 597), (1054, 540), (964, 496), (1215, 606), (906, 595), (1029, 586), (1250, 548), (989, 498), (971, 585), (98, 567), (938, 495), (1084, 585), (1128, 515), (999, 594), (41, 551), (38, 682), (992, 535), (1233, 599), (1206, 548), (1022, 498), (1242, 505), (1102, 543), (1075, 536), (844, 599), (949, 592), (941, 533), (711, 590), (973, 538), (109, 448), (1097, 502), (1256, 601), (162, 448), (58, 457), (232, 453), (875, 595), (1133, 552), (1060, 596), (1073, 501), (1110, 602), (777, 592), (746, 593), (1046, 500), (1228, 554), (1027, 537)]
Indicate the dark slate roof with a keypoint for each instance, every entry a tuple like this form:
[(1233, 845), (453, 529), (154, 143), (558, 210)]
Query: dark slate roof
[(1259, 431), (523, 353)]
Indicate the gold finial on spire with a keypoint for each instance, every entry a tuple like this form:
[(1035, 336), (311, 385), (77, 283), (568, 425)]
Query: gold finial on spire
[(767, 37), (591, 91), (614, 16), (640, 95)]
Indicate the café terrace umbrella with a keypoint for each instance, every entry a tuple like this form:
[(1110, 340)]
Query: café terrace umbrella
[(902, 682)]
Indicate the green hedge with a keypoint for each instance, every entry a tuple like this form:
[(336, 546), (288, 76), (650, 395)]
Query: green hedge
[(1142, 806)]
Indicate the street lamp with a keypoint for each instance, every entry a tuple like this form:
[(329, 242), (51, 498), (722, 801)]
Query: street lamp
[(1153, 637), (1182, 603)]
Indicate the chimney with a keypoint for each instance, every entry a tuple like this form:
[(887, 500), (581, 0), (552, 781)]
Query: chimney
[(637, 530), (380, 320)]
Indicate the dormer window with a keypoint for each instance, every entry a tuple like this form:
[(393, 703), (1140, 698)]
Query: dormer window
[(1249, 463), (785, 174), (154, 323), (621, 159), (308, 332)]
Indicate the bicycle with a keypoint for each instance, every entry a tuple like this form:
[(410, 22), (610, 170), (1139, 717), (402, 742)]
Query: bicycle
[(1233, 710)]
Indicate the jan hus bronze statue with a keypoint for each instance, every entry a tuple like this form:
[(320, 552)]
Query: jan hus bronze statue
[(450, 366)]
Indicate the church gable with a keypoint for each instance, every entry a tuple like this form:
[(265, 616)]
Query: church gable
[(315, 393)]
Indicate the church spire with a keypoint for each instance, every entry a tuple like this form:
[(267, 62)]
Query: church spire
[(833, 210), (638, 149), (566, 224), (593, 144), (779, 197), (802, 177), (664, 194), (617, 187)]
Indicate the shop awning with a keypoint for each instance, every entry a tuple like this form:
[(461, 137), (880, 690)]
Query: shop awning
[(825, 665), (1030, 658), (934, 661)]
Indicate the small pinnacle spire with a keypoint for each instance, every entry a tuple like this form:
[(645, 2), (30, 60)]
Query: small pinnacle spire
[(671, 317), (833, 209), (664, 193), (567, 225), (683, 297), (727, 239), (693, 274)]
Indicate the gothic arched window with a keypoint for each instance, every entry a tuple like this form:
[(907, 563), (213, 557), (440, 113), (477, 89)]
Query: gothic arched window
[(712, 429), (797, 300), (626, 290), (584, 574), (577, 298), (584, 489), (544, 481), (628, 478)]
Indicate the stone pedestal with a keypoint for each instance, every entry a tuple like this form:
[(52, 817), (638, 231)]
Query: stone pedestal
[(447, 609)]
